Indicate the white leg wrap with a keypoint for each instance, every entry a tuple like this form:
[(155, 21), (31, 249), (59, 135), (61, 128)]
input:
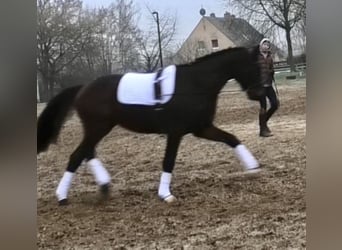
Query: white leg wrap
[(246, 158), (98, 170), (164, 185), (64, 185)]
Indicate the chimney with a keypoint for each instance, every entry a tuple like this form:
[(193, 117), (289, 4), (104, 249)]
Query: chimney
[(228, 18), (226, 15), (212, 15)]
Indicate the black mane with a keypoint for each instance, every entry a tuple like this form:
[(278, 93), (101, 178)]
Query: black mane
[(218, 53), (215, 54)]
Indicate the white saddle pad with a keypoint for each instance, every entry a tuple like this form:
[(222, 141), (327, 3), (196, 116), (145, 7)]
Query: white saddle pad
[(138, 88)]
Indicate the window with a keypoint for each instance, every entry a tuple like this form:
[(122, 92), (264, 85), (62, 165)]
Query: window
[(214, 43), (201, 45)]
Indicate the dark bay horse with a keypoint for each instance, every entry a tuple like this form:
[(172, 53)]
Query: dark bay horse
[(191, 109)]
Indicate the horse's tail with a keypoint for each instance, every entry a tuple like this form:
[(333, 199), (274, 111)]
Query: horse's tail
[(53, 116)]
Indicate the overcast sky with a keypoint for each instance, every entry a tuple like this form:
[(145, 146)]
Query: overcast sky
[(186, 11)]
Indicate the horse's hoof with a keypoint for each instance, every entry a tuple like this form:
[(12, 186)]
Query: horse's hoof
[(253, 170), (63, 202), (265, 134), (170, 199), (253, 173), (104, 189)]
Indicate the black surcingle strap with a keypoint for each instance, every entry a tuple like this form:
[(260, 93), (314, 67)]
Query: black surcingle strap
[(157, 85)]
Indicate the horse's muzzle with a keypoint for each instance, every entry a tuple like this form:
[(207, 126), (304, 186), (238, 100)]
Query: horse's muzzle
[(255, 93)]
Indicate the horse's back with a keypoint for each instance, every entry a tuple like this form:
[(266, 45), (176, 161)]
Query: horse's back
[(98, 97), (186, 111)]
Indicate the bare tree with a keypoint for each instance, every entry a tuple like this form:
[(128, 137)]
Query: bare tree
[(91, 56), (300, 36), (117, 37), (268, 14), (149, 45), (75, 45), (127, 39), (61, 37), (86, 65)]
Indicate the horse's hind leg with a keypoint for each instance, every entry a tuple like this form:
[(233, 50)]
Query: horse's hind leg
[(243, 154), (94, 132)]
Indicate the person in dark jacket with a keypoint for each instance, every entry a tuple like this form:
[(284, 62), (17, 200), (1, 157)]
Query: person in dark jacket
[(267, 79)]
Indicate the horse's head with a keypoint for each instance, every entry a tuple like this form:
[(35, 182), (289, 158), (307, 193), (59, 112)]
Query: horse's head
[(248, 74)]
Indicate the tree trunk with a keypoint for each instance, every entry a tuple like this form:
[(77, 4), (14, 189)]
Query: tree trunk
[(43, 89), (50, 87), (289, 49), (149, 65)]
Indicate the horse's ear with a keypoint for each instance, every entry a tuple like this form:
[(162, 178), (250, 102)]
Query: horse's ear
[(254, 52)]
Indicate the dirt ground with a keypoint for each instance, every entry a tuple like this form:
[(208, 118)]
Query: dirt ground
[(217, 207)]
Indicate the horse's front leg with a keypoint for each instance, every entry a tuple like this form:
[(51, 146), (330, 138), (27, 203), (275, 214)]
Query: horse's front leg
[(246, 158), (164, 192)]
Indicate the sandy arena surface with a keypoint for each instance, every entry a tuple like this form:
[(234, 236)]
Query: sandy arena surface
[(217, 207)]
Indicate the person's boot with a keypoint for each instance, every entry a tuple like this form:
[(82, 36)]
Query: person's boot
[(264, 130)]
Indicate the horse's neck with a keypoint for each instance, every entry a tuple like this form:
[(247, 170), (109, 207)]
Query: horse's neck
[(218, 70)]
